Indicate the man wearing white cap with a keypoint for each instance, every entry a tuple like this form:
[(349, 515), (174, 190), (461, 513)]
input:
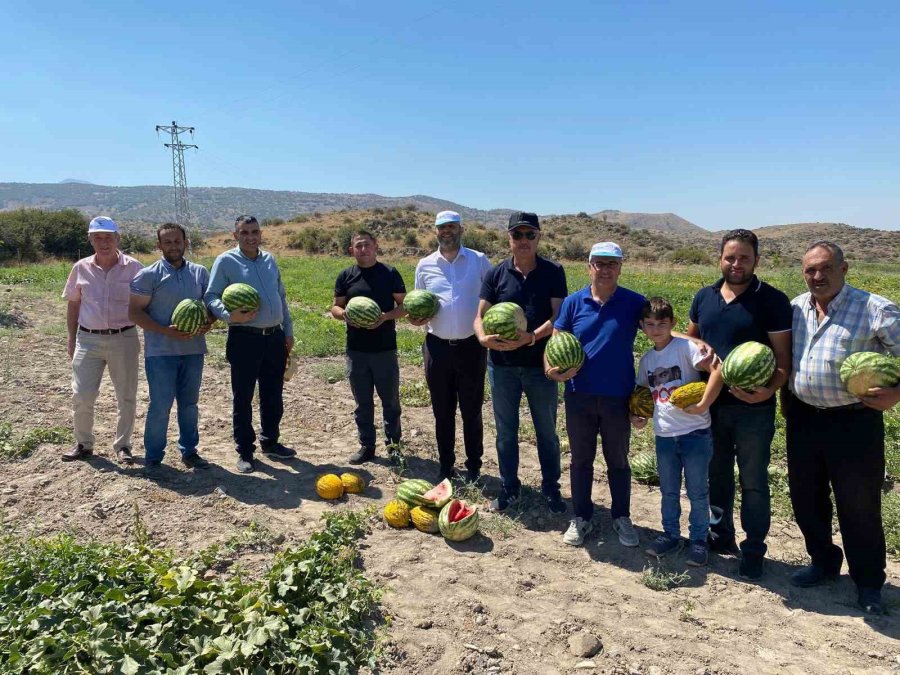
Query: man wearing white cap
[(604, 317), (101, 335), (455, 362)]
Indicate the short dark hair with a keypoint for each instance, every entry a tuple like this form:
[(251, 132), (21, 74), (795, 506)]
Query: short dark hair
[(170, 226), (657, 308), (743, 235), (245, 220), (836, 250), (356, 234)]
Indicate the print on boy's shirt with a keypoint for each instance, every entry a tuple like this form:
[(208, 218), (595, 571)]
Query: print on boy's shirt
[(662, 376)]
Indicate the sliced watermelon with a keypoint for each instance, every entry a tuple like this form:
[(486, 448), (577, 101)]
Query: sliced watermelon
[(439, 495), (459, 510)]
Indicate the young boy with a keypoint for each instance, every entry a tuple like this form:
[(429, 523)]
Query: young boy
[(683, 438)]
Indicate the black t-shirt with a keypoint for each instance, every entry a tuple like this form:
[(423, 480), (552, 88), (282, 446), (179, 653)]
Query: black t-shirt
[(504, 283), (761, 309), (378, 282)]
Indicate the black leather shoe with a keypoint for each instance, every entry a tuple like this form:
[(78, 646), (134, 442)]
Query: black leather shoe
[(870, 600), (279, 451), (78, 452), (362, 455), (444, 474), (718, 544), (812, 575), (751, 567)]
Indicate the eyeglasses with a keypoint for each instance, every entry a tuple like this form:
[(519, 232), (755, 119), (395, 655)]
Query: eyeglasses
[(610, 265), (531, 235)]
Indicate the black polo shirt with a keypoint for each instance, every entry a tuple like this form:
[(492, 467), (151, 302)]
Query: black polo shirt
[(761, 309), (379, 282), (504, 283)]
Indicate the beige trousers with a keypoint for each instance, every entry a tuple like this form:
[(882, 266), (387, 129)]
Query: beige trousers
[(93, 353)]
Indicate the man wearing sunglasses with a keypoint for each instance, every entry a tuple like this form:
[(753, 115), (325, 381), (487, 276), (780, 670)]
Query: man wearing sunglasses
[(538, 286)]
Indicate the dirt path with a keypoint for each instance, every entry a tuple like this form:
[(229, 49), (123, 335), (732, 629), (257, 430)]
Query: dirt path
[(507, 601)]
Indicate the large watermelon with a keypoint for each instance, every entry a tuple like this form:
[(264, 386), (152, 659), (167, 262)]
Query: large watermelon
[(240, 296), (188, 316), (362, 311), (421, 304), (640, 403), (864, 370), (411, 491), (440, 494), (644, 468), (458, 520), (564, 351), (504, 319), (748, 366)]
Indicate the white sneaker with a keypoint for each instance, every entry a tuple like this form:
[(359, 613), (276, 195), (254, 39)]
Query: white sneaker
[(628, 536), (578, 530)]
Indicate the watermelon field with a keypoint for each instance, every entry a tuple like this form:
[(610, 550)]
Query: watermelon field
[(104, 569)]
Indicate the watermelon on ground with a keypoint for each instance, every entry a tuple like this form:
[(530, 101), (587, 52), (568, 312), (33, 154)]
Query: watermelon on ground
[(411, 491), (505, 319), (440, 494), (564, 351), (458, 520), (362, 312), (421, 304), (240, 296)]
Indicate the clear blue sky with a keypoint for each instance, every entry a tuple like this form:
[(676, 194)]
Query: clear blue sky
[(729, 114)]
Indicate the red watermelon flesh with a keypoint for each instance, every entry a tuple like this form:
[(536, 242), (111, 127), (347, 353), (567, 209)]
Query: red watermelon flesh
[(440, 494), (460, 510)]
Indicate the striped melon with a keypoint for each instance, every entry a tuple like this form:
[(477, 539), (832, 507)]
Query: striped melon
[(189, 316), (505, 319), (748, 366), (240, 296), (411, 491), (564, 351), (362, 312), (640, 403), (865, 370), (421, 304), (687, 394), (458, 520), (644, 468)]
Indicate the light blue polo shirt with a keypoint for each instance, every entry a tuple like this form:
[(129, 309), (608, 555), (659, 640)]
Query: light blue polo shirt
[(607, 334), (167, 286)]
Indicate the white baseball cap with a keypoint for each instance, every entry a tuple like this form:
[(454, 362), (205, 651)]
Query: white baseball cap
[(447, 217), (103, 224), (606, 249)]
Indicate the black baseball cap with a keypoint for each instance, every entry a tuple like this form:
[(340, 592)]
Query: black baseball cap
[(520, 219)]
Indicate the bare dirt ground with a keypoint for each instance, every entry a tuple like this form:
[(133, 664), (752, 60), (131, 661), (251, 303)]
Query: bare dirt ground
[(509, 600)]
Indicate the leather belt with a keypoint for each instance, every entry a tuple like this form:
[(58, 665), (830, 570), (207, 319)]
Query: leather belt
[(256, 331), (104, 331), (452, 341), (840, 408)]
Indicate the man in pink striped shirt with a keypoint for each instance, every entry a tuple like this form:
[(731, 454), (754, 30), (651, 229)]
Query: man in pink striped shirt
[(101, 335)]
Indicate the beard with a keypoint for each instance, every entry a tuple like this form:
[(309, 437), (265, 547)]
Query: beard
[(450, 243), (738, 278), (174, 258)]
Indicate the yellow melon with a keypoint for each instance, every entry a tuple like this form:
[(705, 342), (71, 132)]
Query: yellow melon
[(396, 514), (329, 486), (353, 483)]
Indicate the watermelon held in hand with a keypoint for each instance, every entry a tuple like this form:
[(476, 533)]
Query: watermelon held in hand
[(505, 319), (564, 351), (748, 366), (240, 296), (362, 312), (640, 403), (866, 370), (189, 316), (458, 520), (439, 495), (421, 304)]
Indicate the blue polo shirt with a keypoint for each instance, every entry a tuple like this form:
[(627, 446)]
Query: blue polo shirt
[(607, 334), (504, 283), (761, 309), (167, 286), (232, 267)]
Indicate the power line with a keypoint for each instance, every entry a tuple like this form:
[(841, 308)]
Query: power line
[(182, 207)]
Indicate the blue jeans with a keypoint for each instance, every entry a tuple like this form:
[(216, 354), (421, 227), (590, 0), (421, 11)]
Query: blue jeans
[(689, 453), (508, 383), (172, 378)]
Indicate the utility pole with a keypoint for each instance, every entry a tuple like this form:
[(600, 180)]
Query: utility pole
[(182, 208)]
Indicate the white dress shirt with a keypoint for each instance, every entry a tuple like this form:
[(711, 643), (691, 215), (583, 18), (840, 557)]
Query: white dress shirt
[(457, 285)]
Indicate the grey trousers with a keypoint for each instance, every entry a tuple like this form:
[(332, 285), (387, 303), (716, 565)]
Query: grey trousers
[(370, 372)]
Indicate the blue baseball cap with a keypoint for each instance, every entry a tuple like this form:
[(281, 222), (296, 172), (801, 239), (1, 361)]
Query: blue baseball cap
[(606, 249), (445, 217), (103, 224)]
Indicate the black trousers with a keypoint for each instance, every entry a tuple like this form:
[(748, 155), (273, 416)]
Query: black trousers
[(256, 358), (455, 375), (839, 450)]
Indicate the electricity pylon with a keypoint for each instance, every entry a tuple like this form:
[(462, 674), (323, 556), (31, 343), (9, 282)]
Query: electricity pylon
[(182, 207)]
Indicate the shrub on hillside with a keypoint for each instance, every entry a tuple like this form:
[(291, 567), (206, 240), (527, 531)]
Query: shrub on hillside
[(134, 242), (33, 234), (410, 239), (690, 255), (572, 249), (272, 222), (485, 241)]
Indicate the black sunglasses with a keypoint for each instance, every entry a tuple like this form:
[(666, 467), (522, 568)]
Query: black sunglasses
[(531, 235)]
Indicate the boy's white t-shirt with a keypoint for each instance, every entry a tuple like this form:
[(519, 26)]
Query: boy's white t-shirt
[(663, 372)]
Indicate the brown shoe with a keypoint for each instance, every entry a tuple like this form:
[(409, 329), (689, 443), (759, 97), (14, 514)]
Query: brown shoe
[(124, 456), (78, 452)]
